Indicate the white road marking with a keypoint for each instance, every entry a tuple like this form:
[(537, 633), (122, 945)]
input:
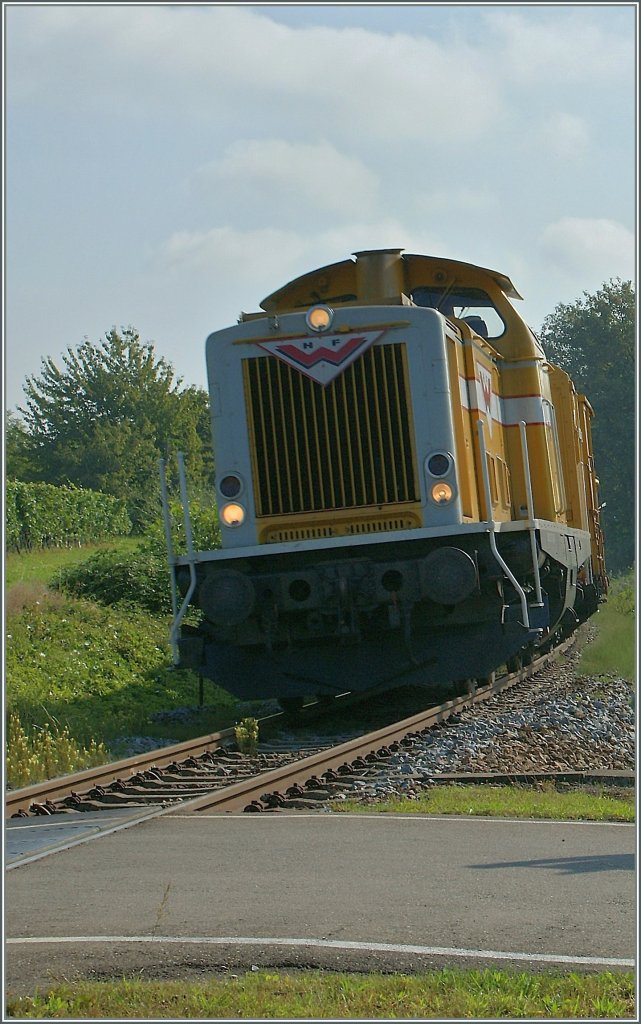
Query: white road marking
[(373, 947), (383, 815)]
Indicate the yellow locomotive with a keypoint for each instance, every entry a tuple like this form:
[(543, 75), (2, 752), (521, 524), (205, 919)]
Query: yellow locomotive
[(405, 485)]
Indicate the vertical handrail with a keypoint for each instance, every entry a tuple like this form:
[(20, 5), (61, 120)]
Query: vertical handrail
[(530, 513), (170, 551), (180, 614), (492, 525), (185, 503), (190, 543)]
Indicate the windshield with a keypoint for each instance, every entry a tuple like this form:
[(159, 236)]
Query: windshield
[(470, 304)]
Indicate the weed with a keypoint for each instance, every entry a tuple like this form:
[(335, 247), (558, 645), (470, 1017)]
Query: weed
[(46, 752), (246, 734)]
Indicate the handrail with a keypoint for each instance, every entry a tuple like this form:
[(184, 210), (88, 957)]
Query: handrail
[(178, 613), (530, 513), (190, 552), (171, 560), (492, 531)]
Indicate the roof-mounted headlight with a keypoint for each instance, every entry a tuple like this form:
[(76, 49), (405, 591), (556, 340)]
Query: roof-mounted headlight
[(319, 318)]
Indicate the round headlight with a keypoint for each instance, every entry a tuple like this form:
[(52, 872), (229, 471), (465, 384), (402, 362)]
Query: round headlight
[(230, 486), (232, 514), (439, 464), (319, 318), (442, 493)]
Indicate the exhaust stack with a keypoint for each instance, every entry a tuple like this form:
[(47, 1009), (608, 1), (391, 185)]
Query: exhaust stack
[(380, 277)]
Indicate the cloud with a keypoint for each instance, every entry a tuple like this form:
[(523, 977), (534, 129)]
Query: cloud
[(197, 62), (563, 45), (255, 261), (563, 136), (457, 200), (291, 182), (589, 250)]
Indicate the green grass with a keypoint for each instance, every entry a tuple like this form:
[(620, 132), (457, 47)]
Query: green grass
[(613, 651), (79, 675), (435, 995), (100, 671), (41, 566), (507, 802)]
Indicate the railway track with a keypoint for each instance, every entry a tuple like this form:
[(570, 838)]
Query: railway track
[(206, 775)]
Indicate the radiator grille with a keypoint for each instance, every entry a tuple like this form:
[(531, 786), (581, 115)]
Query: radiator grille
[(345, 445)]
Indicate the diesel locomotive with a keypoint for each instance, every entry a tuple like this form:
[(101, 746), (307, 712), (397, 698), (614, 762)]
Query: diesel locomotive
[(405, 487)]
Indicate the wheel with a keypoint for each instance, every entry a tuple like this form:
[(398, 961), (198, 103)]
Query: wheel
[(527, 656), (514, 664)]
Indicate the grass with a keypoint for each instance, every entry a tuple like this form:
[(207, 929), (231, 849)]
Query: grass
[(40, 566), (434, 995), (80, 676), (507, 802), (101, 672), (614, 648)]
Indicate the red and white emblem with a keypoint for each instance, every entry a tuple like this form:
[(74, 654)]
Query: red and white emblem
[(485, 403), (322, 358)]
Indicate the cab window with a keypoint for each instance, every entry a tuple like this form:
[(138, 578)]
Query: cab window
[(470, 304)]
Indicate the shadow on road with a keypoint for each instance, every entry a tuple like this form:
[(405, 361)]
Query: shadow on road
[(570, 865)]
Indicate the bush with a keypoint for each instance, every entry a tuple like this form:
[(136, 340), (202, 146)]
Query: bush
[(42, 515), (110, 577), (622, 593), (141, 577)]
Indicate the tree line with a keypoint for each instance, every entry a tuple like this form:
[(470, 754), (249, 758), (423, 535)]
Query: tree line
[(593, 340), (104, 418)]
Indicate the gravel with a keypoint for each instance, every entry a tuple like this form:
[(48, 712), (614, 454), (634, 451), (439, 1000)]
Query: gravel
[(554, 723)]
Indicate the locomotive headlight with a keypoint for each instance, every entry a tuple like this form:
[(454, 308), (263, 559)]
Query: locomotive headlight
[(319, 318), (232, 514), (230, 486), (439, 464), (442, 493)]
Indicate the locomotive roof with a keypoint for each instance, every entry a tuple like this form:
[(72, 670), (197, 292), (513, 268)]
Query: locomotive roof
[(318, 285)]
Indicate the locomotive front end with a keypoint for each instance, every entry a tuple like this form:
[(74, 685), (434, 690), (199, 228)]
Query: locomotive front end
[(323, 490)]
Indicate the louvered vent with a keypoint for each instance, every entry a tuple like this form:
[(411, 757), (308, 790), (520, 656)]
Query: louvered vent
[(345, 445)]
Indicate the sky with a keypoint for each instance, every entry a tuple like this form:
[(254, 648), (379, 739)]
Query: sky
[(169, 165)]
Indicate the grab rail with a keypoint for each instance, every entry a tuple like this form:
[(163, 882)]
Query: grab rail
[(178, 613), (492, 531)]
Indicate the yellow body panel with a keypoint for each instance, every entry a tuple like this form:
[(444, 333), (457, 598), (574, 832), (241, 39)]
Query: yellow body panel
[(356, 522)]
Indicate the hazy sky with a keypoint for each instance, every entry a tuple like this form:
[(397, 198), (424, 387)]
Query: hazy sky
[(167, 166)]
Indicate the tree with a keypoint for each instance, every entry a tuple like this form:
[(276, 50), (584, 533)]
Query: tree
[(18, 461), (593, 339), (104, 419)]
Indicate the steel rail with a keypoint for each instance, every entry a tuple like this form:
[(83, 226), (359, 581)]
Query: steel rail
[(239, 795), (104, 775), (231, 797)]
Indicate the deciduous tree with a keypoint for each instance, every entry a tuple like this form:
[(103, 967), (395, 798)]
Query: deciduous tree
[(593, 339), (103, 419)]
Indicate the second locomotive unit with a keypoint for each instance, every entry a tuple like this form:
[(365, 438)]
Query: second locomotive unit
[(405, 485)]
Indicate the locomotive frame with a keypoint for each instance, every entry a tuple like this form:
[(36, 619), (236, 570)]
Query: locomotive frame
[(406, 487)]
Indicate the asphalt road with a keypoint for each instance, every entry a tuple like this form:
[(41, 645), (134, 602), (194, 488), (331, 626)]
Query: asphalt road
[(178, 895)]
